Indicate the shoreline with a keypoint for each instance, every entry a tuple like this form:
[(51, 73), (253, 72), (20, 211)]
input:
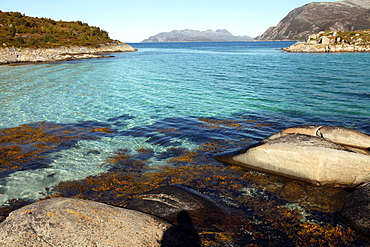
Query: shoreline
[(14, 56), (333, 41), (302, 47)]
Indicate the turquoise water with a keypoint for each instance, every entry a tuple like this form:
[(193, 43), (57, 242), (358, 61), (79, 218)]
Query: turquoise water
[(172, 86)]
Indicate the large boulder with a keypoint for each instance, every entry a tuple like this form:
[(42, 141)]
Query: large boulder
[(168, 201), (73, 222), (356, 210), (185, 207), (352, 139), (314, 156)]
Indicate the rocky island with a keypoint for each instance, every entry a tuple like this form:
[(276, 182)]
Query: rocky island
[(356, 41), (30, 39), (187, 35)]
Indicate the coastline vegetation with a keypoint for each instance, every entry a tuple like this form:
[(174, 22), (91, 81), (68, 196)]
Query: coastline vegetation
[(19, 30), (358, 37)]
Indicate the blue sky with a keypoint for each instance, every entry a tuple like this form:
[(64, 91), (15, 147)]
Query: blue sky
[(135, 20)]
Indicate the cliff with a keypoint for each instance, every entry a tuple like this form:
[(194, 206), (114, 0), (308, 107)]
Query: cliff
[(348, 15), (220, 35), (357, 41)]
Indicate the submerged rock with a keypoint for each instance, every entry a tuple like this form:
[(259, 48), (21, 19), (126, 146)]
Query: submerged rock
[(356, 210), (173, 202), (190, 210), (312, 156), (72, 222)]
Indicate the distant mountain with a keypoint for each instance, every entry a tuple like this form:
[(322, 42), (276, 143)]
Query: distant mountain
[(220, 35), (348, 15)]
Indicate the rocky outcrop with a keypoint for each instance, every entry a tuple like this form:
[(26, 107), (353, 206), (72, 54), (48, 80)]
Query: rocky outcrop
[(22, 55), (220, 35), (72, 222), (185, 207), (317, 154), (358, 41), (356, 210), (348, 15), (349, 138)]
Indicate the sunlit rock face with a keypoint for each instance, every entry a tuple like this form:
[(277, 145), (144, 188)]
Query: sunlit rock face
[(73, 222), (317, 154), (314, 17)]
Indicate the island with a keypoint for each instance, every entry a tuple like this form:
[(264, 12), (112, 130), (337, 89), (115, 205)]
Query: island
[(32, 39), (187, 35), (332, 41)]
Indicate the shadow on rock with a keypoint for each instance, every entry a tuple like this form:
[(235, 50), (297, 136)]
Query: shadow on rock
[(356, 211), (187, 209), (185, 223)]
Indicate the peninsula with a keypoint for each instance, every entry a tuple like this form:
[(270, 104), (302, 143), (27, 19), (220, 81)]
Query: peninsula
[(332, 41), (32, 39)]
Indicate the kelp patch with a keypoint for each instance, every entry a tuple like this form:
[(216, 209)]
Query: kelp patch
[(25, 147), (263, 210)]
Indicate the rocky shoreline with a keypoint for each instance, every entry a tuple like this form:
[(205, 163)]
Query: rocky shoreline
[(9, 55), (332, 42), (177, 215)]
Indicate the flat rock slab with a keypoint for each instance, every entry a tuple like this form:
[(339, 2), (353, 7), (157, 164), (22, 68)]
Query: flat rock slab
[(73, 222)]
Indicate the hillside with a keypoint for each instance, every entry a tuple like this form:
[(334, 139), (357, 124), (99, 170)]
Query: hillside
[(220, 35), (19, 30), (348, 15)]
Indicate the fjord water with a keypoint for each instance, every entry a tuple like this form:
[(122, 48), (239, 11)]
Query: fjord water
[(173, 86)]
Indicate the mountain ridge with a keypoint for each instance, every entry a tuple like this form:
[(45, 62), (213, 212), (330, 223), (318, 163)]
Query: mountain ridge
[(188, 35), (348, 15)]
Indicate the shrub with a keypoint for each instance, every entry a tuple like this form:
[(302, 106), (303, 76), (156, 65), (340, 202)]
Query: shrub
[(19, 40), (49, 39)]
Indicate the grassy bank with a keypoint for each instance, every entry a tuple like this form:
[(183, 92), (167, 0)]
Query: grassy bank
[(19, 30)]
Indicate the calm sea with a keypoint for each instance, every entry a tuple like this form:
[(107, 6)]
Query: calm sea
[(177, 86), (174, 85)]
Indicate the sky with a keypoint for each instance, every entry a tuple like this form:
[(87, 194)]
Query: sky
[(135, 20)]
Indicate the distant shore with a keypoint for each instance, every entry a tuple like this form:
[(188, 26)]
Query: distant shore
[(12, 55)]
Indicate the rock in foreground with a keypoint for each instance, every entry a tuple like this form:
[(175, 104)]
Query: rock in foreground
[(356, 210), (308, 157), (179, 205), (72, 222)]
